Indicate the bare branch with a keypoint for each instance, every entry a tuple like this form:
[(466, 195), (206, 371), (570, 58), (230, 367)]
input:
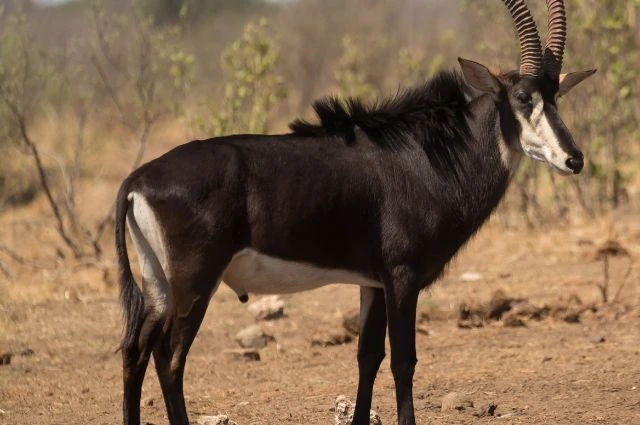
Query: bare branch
[(13, 255), (5, 271), (625, 279), (142, 146), (111, 91), (22, 260), (44, 182), (604, 286)]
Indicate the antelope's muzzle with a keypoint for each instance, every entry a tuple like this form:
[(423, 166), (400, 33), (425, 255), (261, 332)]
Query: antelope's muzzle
[(576, 163)]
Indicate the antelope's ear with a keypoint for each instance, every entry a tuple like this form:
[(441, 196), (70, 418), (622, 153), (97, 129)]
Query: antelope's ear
[(479, 77), (572, 79)]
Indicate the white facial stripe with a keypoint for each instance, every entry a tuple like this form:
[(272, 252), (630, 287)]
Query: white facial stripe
[(538, 110), (538, 140)]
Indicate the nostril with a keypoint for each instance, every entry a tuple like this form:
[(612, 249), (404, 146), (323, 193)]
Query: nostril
[(575, 164)]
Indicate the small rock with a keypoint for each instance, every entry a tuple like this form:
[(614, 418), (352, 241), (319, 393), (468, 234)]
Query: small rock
[(575, 300), (455, 401), (422, 329), (27, 352), (214, 420), (5, 359), (512, 321), (486, 410), (611, 248), (246, 354), (328, 337), (597, 339), (351, 321), (470, 324), (509, 415), (500, 303), (471, 277), (267, 308), (345, 409), (527, 311), (569, 315), (474, 315), (70, 295), (253, 337), (437, 315)]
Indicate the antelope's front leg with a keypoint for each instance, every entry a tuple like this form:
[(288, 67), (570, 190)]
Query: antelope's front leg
[(373, 327), (401, 294)]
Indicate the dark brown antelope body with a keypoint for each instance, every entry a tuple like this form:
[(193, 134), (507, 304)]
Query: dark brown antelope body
[(381, 197)]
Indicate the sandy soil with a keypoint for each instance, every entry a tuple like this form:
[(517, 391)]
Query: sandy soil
[(548, 372)]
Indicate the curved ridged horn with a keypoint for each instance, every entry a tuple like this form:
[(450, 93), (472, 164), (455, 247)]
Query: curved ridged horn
[(557, 38), (530, 47)]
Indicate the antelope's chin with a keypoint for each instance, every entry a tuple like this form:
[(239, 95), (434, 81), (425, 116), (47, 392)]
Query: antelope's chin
[(561, 171)]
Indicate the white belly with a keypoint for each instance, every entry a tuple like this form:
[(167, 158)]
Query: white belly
[(252, 272)]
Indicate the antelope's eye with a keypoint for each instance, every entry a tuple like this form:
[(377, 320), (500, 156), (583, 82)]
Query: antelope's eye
[(523, 97)]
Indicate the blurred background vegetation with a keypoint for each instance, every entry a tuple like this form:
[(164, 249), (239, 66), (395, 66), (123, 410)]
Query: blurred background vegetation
[(89, 89)]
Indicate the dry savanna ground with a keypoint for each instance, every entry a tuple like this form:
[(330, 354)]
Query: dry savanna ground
[(559, 356)]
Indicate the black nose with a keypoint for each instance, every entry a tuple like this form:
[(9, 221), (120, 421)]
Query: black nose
[(575, 164)]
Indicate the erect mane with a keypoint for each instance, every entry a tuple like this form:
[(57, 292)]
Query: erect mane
[(433, 115)]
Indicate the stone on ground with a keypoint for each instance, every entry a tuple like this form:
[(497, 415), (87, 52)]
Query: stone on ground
[(345, 410), (5, 358), (486, 410), (471, 277), (215, 420), (326, 337), (252, 337), (267, 308), (456, 401)]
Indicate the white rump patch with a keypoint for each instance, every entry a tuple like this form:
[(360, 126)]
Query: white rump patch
[(252, 272), (538, 139), (148, 238)]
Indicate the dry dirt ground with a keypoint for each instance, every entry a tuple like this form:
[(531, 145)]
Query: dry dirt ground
[(547, 372)]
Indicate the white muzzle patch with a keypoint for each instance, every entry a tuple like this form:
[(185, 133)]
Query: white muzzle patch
[(539, 141)]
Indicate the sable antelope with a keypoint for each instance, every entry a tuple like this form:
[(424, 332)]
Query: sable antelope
[(379, 196)]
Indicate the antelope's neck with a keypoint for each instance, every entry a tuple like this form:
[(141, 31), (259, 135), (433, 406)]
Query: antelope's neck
[(489, 136), (489, 166)]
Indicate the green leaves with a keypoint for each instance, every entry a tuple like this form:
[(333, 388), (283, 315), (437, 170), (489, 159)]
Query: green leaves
[(352, 74), (253, 87)]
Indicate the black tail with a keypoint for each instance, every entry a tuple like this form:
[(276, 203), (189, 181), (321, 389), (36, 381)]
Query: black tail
[(131, 297)]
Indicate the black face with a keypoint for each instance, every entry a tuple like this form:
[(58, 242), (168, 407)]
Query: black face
[(541, 133), (529, 117)]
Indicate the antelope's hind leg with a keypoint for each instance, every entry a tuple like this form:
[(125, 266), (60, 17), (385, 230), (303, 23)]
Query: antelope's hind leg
[(170, 354), (135, 358)]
